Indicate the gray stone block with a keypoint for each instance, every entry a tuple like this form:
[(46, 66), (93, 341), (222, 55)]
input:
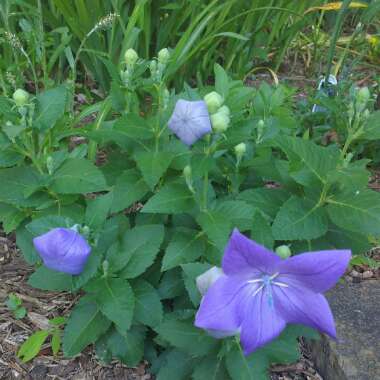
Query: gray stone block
[(356, 353)]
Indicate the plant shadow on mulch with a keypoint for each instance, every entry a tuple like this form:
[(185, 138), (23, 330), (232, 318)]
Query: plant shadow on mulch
[(42, 305)]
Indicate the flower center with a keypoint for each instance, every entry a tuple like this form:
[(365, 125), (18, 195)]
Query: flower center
[(266, 281)]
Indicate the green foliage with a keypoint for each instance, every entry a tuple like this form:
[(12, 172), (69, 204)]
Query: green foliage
[(154, 227), (32, 346), (14, 304)]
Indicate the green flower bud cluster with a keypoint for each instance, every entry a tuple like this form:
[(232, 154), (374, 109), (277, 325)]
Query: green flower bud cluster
[(130, 58), (157, 67), (220, 114)]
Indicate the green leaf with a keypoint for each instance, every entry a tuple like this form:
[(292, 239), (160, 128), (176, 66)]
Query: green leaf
[(84, 326), (129, 188), (9, 157), (138, 250), (261, 231), (97, 210), (78, 176), (171, 199), (177, 365), (239, 213), (20, 313), (43, 225), (252, 368), (134, 127), (51, 106), (267, 200), (357, 212), (47, 279), (10, 217), (354, 177), (185, 336), (304, 154), (18, 183), (128, 347), (90, 269), (299, 219), (171, 284), (153, 165), (190, 273), (56, 342), (115, 299), (371, 128), (216, 226), (185, 246), (210, 368), (342, 239), (221, 81), (32, 346), (24, 241), (148, 308)]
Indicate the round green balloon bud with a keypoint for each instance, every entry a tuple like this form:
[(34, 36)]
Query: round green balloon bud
[(224, 110), (219, 122), (214, 101), (20, 97), (131, 57), (163, 56), (283, 251), (240, 149)]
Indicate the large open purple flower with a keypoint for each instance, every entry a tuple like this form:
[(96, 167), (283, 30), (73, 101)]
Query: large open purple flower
[(63, 250), (259, 293), (190, 120)]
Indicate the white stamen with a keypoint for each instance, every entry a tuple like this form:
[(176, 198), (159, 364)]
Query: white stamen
[(281, 284)]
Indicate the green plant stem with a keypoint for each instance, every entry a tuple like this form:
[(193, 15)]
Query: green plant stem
[(243, 357), (338, 27), (93, 146), (205, 178), (42, 42)]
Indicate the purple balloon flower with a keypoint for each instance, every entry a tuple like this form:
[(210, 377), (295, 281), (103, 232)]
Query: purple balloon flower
[(63, 250), (259, 293), (190, 120)]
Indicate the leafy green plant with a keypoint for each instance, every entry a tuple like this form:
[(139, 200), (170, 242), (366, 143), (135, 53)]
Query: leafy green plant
[(159, 211), (32, 346), (14, 304)]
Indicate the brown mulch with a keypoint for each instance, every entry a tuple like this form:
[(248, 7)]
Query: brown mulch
[(42, 305)]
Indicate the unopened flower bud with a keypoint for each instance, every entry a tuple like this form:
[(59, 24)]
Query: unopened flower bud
[(224, 110), (220, 122), (363, 95), (85, 231), (283, 251), (206, 279), (240, 149), (50, 164), (105, 267), (214, 101), (131, 57), (20, 97), (153, 67), (187, 172), (163, 56)]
